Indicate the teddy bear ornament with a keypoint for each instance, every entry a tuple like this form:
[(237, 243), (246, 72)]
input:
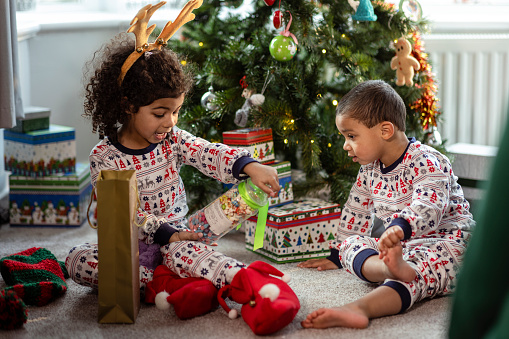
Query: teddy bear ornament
[(404, 63)]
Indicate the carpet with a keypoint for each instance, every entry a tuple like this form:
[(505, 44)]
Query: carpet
[(74, 315)]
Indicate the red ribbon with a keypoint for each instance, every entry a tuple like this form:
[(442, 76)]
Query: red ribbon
[(286, 32)]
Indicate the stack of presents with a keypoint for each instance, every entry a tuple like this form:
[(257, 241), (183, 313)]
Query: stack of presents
[(46, 185), (296, 230)]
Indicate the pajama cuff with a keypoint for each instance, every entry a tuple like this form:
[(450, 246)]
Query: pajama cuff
[(163, 234), (359, 260), (239, 165), (334, 257), (403, 293)]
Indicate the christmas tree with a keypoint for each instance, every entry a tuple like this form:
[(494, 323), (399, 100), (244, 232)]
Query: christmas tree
[(340, 44)]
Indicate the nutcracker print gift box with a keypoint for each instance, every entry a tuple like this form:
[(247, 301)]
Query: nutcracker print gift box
[(56, 200), (258, 141), (297, 231)]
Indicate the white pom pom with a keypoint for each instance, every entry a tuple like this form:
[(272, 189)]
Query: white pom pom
[(270, 291), (257, 99), (161, 302), (286, 278), (233, 314)]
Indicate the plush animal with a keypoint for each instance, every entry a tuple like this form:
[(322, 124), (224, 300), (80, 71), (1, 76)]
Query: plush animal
[(404, 63), (252, 100)]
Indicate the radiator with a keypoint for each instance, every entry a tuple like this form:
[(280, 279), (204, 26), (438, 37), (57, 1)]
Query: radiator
[(472, 74)]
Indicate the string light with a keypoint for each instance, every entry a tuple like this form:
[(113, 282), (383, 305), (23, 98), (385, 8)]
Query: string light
[(285, 141), (183, 62), (329, 145), (200, 44), (324, 51), (335, 102), (312, 141)]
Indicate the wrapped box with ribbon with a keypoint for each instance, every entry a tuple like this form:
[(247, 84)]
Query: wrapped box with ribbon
[(236, 205), (297, 231)]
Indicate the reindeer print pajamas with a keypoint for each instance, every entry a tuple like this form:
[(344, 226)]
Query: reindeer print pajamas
[(163, 203), (420, 194)]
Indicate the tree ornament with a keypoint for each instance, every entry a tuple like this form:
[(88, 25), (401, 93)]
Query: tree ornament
[(252, 100), (433, 137), (412, 9), (282, 48), (278, 19), (269, 2), (208, 98), (364, 11), (404, 63)]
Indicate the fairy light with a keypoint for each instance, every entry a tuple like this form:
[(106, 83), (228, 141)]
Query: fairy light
[(292, 121), (183, 62), (312, 141), (329, 145), (200, 44), (285, 141), (335, 102), (324, 51), (343, 35)]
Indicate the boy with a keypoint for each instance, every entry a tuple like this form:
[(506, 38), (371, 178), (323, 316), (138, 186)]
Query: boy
[(412, 189)]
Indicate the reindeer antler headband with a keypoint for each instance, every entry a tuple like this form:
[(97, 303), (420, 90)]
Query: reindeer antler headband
[(142, 32)]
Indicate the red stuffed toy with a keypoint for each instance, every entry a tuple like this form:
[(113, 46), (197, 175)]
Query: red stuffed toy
[(269, 304), (190, 297)]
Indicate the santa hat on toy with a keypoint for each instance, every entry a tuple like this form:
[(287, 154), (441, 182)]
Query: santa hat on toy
[(268, 303), (190, 297)]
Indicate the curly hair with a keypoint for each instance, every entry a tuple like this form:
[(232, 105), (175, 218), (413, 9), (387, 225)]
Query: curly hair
[(372, 102), (156, 74)]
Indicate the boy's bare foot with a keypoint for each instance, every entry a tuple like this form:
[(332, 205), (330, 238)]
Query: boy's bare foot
[(322, 264), (397, 268), (348, 315)]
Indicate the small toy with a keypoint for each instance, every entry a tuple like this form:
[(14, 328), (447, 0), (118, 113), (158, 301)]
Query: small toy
[(404, 63), (252, 100)]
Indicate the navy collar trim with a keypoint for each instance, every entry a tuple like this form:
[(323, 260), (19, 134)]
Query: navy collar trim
[(142, 151), (386, 170)]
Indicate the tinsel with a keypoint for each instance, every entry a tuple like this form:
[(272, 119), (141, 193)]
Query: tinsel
[(427, 104)]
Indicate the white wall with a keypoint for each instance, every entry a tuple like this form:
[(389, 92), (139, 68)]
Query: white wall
[(56, 60)]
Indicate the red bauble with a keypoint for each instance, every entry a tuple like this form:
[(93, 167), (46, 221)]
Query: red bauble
[(269, 2), (278, 19)]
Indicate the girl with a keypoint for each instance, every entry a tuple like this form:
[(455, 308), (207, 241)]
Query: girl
[(137, 117)]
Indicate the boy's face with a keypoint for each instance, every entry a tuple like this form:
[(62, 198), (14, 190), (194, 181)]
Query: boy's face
[(152, 123), (363, 144)]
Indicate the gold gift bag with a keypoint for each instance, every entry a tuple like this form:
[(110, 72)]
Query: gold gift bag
[(119, 281)]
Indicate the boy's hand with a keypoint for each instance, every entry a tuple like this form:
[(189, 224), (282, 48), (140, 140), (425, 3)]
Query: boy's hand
[(322, 264), (184, 235), (264, 177), (391, 237)]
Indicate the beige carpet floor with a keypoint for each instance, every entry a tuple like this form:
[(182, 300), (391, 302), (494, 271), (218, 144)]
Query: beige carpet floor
[(74, 315)]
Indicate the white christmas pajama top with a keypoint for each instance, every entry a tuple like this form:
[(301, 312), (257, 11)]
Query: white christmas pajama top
[(420, 193)]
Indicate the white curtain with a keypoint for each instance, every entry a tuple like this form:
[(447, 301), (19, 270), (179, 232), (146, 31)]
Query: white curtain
[(11, 105)]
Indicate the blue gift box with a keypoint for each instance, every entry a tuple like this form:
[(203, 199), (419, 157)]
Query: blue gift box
[(40, 153), (56, 200)]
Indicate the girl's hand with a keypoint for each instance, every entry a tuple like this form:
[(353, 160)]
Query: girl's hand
[(184, 235), (264, 177)]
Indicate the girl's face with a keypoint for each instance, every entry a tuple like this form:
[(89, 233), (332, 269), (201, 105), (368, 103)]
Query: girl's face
[(151, 124), (363, 144)]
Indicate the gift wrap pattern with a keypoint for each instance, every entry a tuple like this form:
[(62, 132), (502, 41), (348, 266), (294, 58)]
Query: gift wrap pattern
[(57, 200), (297, 231), (40, 153), (258, 141)]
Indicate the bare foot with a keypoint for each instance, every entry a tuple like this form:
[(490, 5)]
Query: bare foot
[(322, 264), (398, 269), (348, 315)]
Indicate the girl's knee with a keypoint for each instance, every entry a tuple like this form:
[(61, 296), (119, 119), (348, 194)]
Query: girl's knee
[(82, 264)]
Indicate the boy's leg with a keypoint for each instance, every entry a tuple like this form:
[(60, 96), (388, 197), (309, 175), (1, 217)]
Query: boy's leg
[(382, 301)]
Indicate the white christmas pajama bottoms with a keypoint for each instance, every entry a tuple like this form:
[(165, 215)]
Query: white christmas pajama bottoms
[(436, 261), (186, 258)]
